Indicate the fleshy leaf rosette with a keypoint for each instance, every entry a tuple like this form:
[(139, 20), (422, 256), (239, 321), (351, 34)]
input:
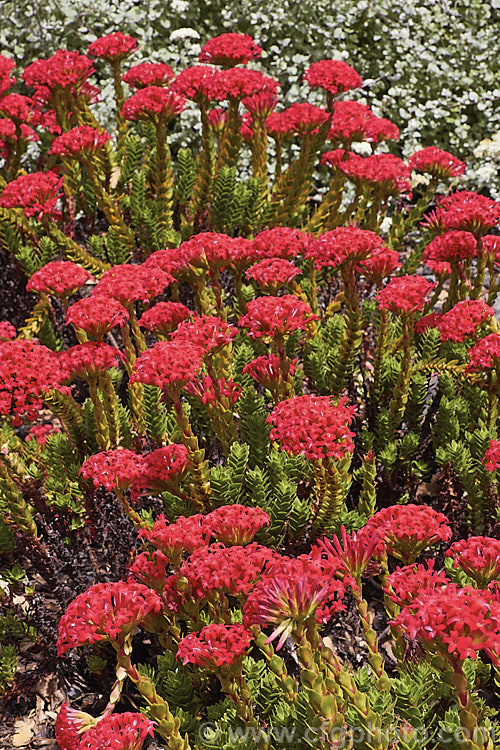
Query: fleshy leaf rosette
[(106, 612)]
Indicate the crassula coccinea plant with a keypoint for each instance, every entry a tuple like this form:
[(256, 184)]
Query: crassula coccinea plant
[(285, 392)]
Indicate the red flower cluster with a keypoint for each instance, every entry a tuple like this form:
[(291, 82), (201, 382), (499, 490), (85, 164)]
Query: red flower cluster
[(168, 365), (27, 371), (113, 47), (176, 539), (455, 622), (349, 555), (97, 315), (164, 317), (115, 470), (40, 432), (20, 109), (485, 354), (272, 274), (154, 103), (7, 65), (148, 74), (128, 283), (436, 162), (150, 568), (404, 294), (280, 242), (314, 427), (229, 49), (353, 121), (491, 458), (238, 83), (209, 251), (345, 244), (334, 76), (261, 105), (88, 360), (466, 211), (66, 70), (406, 530), (412, 581), (106, 611), (276, 316), (36, 193), (215, 646), (195, 83), (304, 118), (384, 172), (379, 265), (127, 731), (159, 469), (266, 370), (212, 394), (463, 320), (208, 333), (7, 331), (451, 247), (235, 524), (81, 140), (60, 278), (478, 556)]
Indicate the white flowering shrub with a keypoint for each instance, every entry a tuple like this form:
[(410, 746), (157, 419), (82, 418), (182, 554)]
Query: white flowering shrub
[(430, 65)]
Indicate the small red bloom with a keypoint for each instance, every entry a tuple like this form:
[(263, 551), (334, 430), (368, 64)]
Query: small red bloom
[(463, 320), (36, 193), (88, 360), (168, 365), (380, 265), (127, 731), (404, 294), (129, 284), (115, 470), (261, 105), (466, 211), (408, 529), (64, 70), (436, 162), (164, 317), (229, 49), (351, 554), (60, 278), (113, 47), (39, 432), (334, 76), (148, 74), (215, 646), (154, 103), (208, 251), (161, 470), (27, 371), (478, 556), (7, 331), (314, 427), (412, 581), (176, 539), (276, 316), (353, 121), (382, 172), (97, 315), (428, 321), (491, 458), (239, 83), (209, 333), (7, 65), (485, 354), (266, 371), (271, 274), (210, 394), (195, 83), (235, 524), (70, 725), (450, 247), (342, 244), (21, 109), (150, 568), (106, 611), (280, 242), (81, 140)]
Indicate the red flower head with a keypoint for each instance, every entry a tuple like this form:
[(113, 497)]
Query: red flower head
[(209, 252), (293, 592), (466, 211), (64, 70), (83, 140), (463, 320), (229, 49), (305, 118), (334, 76), (148, 74), (27, 371), (195, 83), (21, 109), (437, 163), (70, 725), (235, 524), (382, 172), (115, 470), (380, 265), (113, 47), (7, 331), (218, 119), (204, 389), (161, 470), (479, 557), (106, 611), (266, 370), (215, 646), (271, 274), (169, 365), (280, 242), (276, 316), (129, 284), (88, 360), (491, 458), (451, 247), (209, 334), (491, 247), (164, 317), (261, 105), (314, 427), (353, 121), (454, 622), (485, 354), (177, 539), (404, 295), (238, 83), (345, 244), (412, 581), (8, 137), (40, 432), (60, 278), (36, 193), (428, 321), (97, 315), (351, 555), (125, 731), (280, 125), (7, 65), (408, 530), (150, 568), (154, 103)]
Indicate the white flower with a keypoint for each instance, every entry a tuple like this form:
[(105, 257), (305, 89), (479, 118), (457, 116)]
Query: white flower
[(179, 6), (486, 173), (386, 224), (184, 33)]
